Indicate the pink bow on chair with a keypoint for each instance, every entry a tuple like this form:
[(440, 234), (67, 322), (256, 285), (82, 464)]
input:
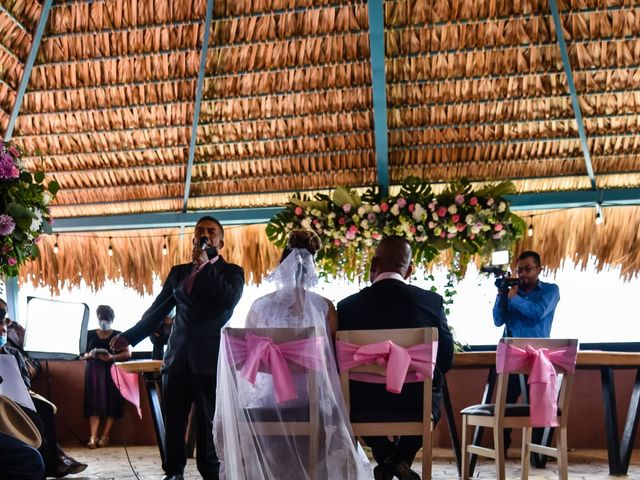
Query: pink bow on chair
[(420, 358), (254, 350), (543, 395)]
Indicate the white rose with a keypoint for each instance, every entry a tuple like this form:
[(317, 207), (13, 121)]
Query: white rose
[(376, 209), (502, 207), (361, 211), (452, 209), (395, 210)]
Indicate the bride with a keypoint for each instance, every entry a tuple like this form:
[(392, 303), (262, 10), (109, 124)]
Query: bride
[(246, 452)]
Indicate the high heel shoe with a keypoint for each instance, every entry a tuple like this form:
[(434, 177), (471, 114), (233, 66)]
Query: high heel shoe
[(104, 441), (93, 442)]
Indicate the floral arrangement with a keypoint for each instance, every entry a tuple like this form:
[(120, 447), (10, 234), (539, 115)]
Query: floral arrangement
[(460, 220), (24, 213)]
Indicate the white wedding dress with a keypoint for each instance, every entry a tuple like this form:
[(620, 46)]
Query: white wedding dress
[(245, 453)]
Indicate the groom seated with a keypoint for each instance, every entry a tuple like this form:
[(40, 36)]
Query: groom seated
[(391, 303)]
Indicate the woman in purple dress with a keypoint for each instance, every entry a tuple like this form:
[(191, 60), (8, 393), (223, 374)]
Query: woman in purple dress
[(102, 400)]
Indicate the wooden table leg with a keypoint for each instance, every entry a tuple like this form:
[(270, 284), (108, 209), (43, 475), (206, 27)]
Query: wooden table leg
[(611, 419), (451, 422), (630, 427), (153, 387)]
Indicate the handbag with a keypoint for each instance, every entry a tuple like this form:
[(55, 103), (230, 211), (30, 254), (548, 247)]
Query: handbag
[(15, 422)]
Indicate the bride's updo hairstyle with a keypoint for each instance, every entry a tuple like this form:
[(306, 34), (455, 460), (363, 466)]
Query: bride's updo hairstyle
[(303, 239)]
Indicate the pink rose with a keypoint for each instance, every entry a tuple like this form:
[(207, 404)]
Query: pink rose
[(459, 199), (353, 229), (455, 218), (371, 217), (443, 234), (442, 211), (401, 202), (316, 221), (460, 227), (411, 207), (472, 236), (498, 227), (384, 207), (346, 207), (432, 206), (342, 220), (473, 201), (12, 261), (412, 229), (350, 235), (489, 202), (336, 242), (376, 236), (451, 235), (298, 211)]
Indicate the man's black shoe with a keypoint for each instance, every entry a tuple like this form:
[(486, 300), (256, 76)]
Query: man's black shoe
[(67, 466), (381, 472), (174, 476), (400, 468)]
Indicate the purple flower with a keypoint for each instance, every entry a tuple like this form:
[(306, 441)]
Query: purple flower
[(459, 199), (401, 202), (12, 261), (7, 168), (7, 225), (346, 207)]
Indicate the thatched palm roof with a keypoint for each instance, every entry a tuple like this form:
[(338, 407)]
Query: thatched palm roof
[(473, 88)]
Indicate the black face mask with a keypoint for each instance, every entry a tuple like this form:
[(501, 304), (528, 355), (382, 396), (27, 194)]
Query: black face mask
[(3, 313)]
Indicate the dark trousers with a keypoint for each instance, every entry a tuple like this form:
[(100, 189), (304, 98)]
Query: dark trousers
[(180, 391), (514, 389), (49, 447), (372, 402), (19, 461)]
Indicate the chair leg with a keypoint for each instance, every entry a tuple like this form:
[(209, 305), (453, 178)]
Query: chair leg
[(427, 454), (526, 453), (464, 464), (498, 445), (563, 458)]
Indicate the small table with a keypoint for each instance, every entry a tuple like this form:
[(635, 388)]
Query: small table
[(619, 450), (149, 370)]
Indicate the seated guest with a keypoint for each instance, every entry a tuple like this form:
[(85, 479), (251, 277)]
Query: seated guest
[(387, 304), (19, 461), (249, 451), (57, 463)]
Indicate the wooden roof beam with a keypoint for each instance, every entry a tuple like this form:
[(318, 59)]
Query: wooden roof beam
[(20, 25), (197, 102), (28, 67), (243, 216), (564, 53), (379, 86)]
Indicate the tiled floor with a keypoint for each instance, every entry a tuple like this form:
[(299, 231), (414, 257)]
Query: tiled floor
[(111, 463)]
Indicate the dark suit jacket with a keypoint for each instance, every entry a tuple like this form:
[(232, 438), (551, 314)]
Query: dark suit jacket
[(195, 338), (391, 304)]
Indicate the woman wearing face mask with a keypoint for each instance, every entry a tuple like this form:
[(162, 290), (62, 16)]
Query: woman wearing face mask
[(102, 399)]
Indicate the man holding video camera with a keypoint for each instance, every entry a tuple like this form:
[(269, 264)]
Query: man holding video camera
[(525, 306)]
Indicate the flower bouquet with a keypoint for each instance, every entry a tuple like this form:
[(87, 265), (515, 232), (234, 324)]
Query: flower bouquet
[(24, 213), (460, 219)]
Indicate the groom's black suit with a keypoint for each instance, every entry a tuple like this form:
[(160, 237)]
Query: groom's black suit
[(389, 304), (190, 362)]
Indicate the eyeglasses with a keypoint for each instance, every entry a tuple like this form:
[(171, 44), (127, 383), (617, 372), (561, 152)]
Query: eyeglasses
[(526, 269)]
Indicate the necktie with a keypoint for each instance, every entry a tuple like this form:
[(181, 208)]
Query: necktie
[(188, 283)]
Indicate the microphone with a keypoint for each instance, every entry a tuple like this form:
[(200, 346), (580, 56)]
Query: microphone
[(203, 242)]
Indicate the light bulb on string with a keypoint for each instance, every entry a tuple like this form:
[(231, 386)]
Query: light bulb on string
[(530, 229), (599, 214), (164, 247), (110, 248), (55, 246)]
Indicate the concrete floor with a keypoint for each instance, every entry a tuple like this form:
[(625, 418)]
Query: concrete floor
[(112, 463)]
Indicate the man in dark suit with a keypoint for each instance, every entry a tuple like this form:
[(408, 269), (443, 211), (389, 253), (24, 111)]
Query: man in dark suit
[(391, 303), (204, 293)]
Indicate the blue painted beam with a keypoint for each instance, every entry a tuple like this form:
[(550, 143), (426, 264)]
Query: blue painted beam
[(198, 101), (246, 216), (564, 53), (379, 88), (230, 216), (28, 67)]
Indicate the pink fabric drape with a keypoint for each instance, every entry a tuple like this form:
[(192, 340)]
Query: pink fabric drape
[(255, 350), (420, 359), (127, 384), (543, 386)]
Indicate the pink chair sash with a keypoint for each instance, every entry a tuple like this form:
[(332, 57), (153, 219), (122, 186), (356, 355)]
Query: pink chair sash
[(420, 359), (255, 350), (543, 386), (127, 384)]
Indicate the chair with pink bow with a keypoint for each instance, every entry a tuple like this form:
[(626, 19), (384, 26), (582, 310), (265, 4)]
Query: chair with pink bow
[(392, 357), (543, 360), (282, 353)]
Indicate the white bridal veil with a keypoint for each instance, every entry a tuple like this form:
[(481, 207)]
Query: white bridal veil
[(262, 404)]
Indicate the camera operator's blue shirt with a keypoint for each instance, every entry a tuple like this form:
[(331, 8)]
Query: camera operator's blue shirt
[(528, 314)]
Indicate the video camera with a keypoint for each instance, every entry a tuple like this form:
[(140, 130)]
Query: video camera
[(504, 281)]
